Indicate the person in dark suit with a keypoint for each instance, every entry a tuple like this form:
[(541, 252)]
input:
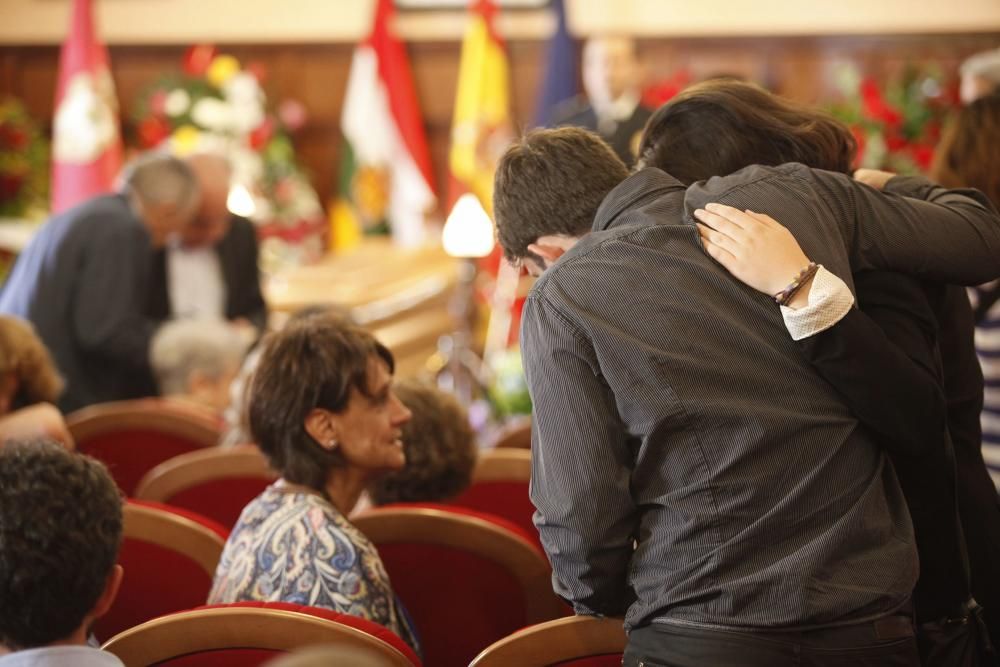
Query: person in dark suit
[(613, 105), (211, 272), (82, 280)]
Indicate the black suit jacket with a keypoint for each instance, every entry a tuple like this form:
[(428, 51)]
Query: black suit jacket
[(82, 282), (238, 258), (578, 112), (907, 367)]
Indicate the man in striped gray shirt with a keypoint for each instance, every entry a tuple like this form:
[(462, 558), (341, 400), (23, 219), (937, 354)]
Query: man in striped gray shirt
[(690, 470)]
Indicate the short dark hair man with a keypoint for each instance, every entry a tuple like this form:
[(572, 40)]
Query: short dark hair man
[(689, 468), (60, 531)]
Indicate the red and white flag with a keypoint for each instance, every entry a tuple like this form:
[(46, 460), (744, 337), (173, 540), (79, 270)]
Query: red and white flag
[(86, 142), (386, 169)]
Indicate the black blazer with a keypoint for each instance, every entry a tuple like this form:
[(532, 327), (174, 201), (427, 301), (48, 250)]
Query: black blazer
[(82, 282), (578, 112), (238, 257), (907, 368)]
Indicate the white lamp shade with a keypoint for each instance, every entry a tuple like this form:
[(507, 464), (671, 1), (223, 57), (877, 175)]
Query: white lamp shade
[(468, 231)]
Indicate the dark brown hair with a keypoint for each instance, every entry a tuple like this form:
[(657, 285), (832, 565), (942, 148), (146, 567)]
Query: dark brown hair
[(720, 126), (440, 449), (969, 152), (314, 362), (60, 531), (551, 182)]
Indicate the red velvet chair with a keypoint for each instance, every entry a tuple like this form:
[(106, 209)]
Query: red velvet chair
[(169, 557), (247, 634), (466, 579), (500, 487), (216, 483), (580, 641), (132, 437)]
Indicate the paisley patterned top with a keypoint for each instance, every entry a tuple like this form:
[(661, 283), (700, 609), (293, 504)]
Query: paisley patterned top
[(296, 547)]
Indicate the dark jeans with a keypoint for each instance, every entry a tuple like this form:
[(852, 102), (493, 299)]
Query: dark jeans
[(887, 642)]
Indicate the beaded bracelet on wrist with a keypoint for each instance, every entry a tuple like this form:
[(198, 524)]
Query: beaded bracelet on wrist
[(784, 296)]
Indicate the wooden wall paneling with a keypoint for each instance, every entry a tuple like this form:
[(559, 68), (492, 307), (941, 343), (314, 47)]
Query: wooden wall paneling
[(527, 67), (316, 74), (703, 58), (8, 70), (35, 77)]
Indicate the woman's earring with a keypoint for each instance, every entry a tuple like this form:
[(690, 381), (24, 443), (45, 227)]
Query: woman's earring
[(331, 444)]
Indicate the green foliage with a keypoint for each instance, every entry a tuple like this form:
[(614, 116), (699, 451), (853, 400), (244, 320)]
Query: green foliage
[(24, 163), (897, 125), (509, 391)]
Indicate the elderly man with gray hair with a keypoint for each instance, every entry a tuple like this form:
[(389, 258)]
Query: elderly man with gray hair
[(82, 281)]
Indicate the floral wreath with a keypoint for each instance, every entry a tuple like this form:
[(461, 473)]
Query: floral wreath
[(216, 105)]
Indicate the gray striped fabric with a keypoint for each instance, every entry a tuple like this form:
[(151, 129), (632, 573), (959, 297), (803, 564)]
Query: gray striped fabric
[(688, 465)]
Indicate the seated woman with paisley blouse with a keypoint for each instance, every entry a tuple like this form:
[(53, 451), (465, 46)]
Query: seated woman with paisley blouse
[(322, 409)]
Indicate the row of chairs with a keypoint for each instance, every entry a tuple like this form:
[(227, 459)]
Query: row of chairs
[(479, 553), (249, 634), (110, 433), (160, 452), (467, 578), (166, 429), (218, 483)]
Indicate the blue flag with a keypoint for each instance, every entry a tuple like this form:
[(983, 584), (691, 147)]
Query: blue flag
[(561, 70)]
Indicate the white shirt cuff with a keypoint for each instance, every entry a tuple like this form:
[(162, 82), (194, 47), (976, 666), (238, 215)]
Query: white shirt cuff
[(829, 301)]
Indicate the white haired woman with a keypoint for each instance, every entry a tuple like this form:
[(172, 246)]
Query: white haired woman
[(196, 360)]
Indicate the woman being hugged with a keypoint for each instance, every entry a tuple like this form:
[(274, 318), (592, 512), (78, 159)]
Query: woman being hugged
[(322, 409), (904, 362)]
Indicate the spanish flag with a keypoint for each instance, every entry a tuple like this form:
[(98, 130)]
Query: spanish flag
[(385, 171), (480, 133), (481, 125)]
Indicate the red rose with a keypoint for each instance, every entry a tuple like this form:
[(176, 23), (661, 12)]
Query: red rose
[(923, 156), (262, 134), (875, 107), (198, 58), (17, 138), (870, 93), (664, 90), (891, 117), (10, 186), (158, 102), (894, 142), (152, 131)]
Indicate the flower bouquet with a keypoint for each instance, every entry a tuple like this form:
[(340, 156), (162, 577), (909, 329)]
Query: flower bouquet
[(898, 126), (216, 105)]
